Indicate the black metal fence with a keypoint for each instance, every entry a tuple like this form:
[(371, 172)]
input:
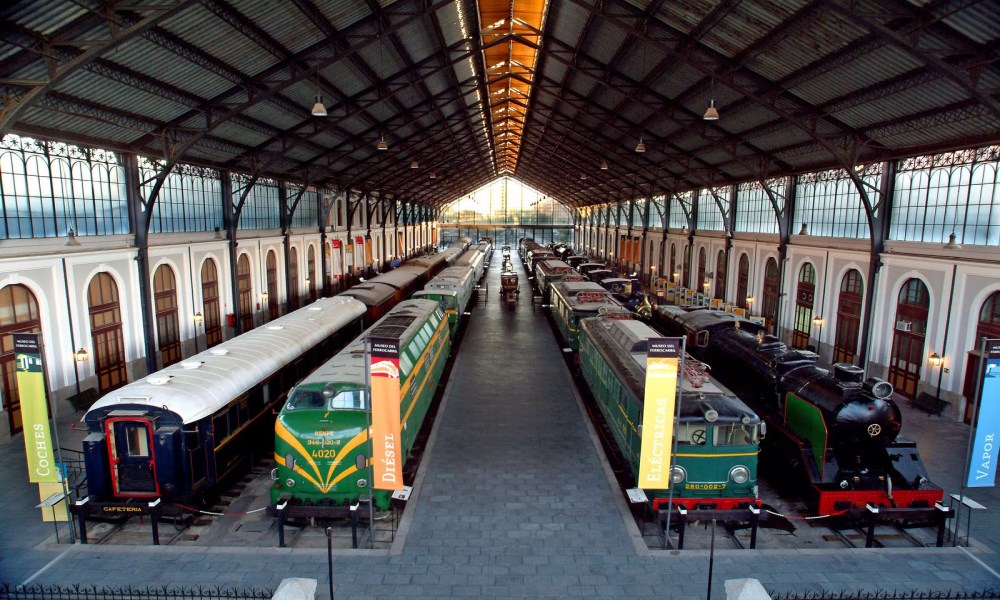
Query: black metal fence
[(987, 594), (82, 592)]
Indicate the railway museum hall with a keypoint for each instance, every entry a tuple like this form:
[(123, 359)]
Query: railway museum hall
[(175, 173)]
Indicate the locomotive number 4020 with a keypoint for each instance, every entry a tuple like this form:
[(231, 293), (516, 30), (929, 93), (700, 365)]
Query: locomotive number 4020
[(323, 453)]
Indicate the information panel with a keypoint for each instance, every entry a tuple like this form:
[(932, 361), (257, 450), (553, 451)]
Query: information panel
[(659, 406), (38, 446), (986, 447), (387, 444)]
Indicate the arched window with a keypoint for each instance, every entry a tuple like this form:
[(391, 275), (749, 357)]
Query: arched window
[(805, 293), (293, 277), (18, 314), (907, 358), (106, 333), (271, 276), (165, 299), (743, 281), (244, 289), (769, 301), (702, 284), (720, 275), (210, 302), (311, 272), (658, 261), (845, 344), (989, 328)]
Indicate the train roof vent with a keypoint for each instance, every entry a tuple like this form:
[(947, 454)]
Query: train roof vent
[(847, 374), (393, 326)]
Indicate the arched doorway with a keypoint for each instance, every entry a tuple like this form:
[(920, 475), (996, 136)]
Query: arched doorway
[(845, 343), (210, 302), (907, 357), (311, 272), (165, 300), (271, 276), (805, 292), (701, 283), (675, 274), (769, 299), (293, 277), (244, 291), (18, 314), (686, 267), (106, 333), (720, 276), (743, 281), (988, 327)]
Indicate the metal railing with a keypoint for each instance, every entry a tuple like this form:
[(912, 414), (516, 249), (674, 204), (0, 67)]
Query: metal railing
[(84, 592)]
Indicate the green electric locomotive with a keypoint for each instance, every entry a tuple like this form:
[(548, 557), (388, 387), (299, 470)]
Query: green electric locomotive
[(321, 444), (717, 435)]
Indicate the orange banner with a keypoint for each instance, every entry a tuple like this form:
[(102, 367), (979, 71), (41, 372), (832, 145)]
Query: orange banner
[(659, 406), (387, 443)]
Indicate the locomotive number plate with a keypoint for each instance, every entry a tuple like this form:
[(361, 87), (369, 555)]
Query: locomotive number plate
[(704, 486)]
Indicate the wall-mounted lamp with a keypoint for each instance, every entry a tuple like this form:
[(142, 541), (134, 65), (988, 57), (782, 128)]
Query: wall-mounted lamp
[(706, 284), (198, 318), (804, 230), (677, 276), (818, 321), (307, 281), (82, 355), (72, 241), (750, 300), (951, 245), (263, 297), (934, 359)]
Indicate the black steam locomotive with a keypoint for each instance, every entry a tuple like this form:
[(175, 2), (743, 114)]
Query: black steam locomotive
[(835, 429)]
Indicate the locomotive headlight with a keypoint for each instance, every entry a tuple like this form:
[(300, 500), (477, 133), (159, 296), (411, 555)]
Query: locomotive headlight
[(290, 482), (677, 474), (362, 483), (739, 474)]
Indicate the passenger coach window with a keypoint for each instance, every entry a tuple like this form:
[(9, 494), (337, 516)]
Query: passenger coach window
[(138, 443)]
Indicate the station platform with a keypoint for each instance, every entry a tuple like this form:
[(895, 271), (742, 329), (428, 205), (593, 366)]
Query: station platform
[(514, 499)]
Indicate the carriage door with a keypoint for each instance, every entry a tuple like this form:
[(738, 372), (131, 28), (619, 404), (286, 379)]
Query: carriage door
[(133, 470)]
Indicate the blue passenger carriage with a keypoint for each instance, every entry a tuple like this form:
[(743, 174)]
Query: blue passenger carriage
[(186, 430)]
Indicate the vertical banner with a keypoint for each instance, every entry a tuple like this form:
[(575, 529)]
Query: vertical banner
[(387, 445), (659, 406), (38, 447), (986, 447)]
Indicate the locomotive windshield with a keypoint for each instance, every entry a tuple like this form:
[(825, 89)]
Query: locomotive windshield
[(736, 435), (313, 399)]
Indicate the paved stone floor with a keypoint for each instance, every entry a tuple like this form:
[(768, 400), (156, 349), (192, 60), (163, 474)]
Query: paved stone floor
[(513, 500)]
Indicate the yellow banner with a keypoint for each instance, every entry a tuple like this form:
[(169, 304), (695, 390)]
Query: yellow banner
[(387, 442), (658, 413), (38, 447)]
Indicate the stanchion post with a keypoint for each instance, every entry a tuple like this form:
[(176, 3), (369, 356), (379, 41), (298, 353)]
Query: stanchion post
[(942, 519), (354, 526), (711, 562), (82, 519), (329, 557), (754, 522), (281, 523), (872, 518), (154, 520)]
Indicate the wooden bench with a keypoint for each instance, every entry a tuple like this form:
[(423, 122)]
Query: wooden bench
[(83, 399), (929, 403)]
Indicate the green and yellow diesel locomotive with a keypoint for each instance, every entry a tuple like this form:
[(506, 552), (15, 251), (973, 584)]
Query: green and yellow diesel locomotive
[(321, 446), (717, 435)]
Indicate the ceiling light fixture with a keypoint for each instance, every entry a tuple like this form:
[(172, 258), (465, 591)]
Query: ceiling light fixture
[(804, 230), (318, 110), (414, 164), (381, 143), (640, 147), (952, 242), (711, 113), (434, 175), (604, 165)]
